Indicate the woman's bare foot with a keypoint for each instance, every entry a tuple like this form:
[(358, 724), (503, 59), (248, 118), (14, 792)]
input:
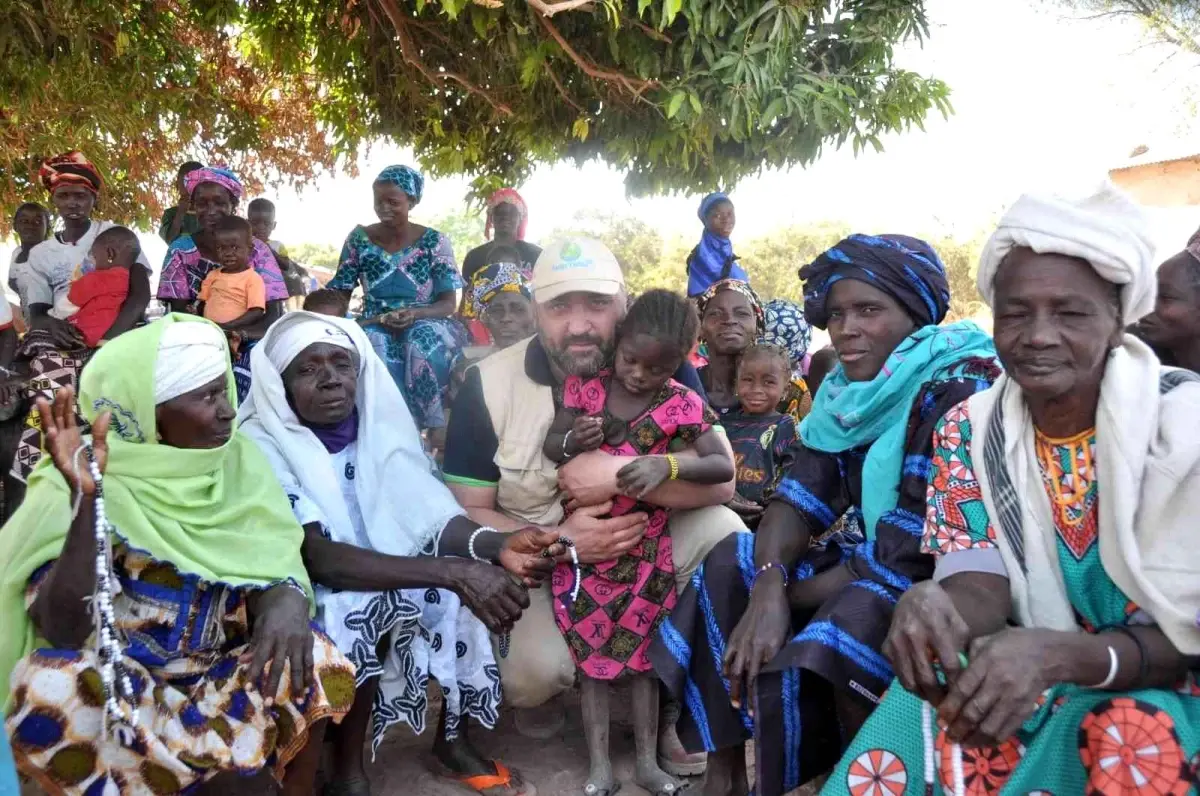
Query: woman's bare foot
[(726, 775)]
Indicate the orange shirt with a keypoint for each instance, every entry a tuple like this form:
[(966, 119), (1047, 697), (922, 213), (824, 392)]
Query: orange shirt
[(228, 297)]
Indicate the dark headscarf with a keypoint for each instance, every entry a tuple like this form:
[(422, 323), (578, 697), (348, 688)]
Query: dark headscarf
[(905, 268)]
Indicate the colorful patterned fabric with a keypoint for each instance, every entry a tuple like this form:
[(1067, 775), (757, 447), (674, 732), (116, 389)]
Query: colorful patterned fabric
[(185, 269), (50, 370), (70, 168), (214, 174), (198, 714), (621, 602), (1080, 740), (511, 197), (492, 280), (421, 357), (786, 327), (408, 178), (837, 650), (848, 415), (739, 286), (797, 400), (905, 268), (760, 451)]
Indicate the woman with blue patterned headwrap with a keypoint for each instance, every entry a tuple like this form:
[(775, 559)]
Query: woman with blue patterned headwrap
[(408, 276), (808, 654), (713, 259)]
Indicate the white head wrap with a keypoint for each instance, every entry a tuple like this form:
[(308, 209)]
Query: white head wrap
[(190, 355), (293, 338), (1108, 229), (403, 505)]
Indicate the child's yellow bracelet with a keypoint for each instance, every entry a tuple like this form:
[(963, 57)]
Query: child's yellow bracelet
[(671, 460)]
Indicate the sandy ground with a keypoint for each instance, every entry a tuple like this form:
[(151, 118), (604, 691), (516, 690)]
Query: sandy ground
[(558, 766)]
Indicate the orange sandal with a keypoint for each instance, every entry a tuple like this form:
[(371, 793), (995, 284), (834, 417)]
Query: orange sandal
[(501, 779)]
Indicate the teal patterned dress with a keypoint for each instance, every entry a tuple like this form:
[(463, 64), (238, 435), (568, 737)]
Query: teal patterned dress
[(421, 357), (1080, 740)]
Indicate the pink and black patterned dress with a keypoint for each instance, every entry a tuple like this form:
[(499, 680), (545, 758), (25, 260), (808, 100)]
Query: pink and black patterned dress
[(621, 602)]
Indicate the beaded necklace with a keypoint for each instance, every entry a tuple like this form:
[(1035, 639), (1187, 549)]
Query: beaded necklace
[(1069, 500), (120, 715), (565, 541)]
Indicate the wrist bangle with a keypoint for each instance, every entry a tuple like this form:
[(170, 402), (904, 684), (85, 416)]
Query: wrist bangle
[(1114, 666), (471, 542), (671, 460), (766, 567), (566, 437), (1143, 663)]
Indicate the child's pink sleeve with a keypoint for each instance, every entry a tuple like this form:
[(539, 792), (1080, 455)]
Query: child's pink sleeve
[(256, 292)]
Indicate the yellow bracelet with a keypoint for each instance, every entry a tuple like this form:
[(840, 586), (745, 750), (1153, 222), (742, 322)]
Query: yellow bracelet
[(671, 460)]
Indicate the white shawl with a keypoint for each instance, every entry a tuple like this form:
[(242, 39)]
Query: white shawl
[(1148, 470), (404, 505)]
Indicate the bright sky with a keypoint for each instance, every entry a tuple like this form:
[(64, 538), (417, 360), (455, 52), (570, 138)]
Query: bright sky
[(1042, 99)]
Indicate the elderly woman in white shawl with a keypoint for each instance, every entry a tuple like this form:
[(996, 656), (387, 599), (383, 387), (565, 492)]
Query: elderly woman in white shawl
[(342, 443), (1052, 651)]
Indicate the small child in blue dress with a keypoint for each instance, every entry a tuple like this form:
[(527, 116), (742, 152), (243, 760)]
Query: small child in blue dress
[(759, 433)]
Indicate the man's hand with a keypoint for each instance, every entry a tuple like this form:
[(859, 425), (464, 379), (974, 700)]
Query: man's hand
[(530, 554), (590, 478), (597, 540)]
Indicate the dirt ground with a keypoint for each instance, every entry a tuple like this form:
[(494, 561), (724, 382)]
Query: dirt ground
[(558, 766)]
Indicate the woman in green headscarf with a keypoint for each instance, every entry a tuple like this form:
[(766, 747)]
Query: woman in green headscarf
[(208, 586)]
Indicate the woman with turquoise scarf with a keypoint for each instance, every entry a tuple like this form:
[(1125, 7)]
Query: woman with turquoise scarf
[(778, 637), (201, 660)]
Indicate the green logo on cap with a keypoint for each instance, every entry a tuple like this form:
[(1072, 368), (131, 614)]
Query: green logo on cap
[(570, 251)]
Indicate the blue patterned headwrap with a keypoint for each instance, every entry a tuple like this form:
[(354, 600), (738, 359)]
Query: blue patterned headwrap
[(905, 268), (706, 204), (408, 178), (786, 327)]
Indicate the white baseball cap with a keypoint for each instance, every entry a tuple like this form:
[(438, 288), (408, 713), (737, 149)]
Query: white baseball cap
[(575, 265)]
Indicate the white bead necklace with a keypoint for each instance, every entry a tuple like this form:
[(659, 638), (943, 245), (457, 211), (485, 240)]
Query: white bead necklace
[(120, 714), (506, 638)]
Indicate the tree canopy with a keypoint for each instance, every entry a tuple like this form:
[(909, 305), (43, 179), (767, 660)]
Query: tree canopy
[(678, 94)]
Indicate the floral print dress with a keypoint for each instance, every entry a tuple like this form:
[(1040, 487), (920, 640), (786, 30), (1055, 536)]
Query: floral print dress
[(1080, 740), (421, 357)]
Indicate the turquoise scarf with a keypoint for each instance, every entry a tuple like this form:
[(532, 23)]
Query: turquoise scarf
[(848, 415)]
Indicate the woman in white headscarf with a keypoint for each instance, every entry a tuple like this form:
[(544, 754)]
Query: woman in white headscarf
[(341, 440), (1063, 499)]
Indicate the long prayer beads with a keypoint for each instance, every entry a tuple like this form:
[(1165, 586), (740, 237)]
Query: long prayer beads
[(506, 638), (120, 714)]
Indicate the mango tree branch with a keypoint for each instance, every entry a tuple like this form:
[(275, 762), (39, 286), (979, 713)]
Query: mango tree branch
[(408, 50)]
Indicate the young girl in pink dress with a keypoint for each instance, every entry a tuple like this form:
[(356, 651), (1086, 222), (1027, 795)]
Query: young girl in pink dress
[(608, 619)]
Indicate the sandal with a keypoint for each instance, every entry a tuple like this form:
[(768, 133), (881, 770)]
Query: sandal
[(355, 786), (591, 790), (479, 783)]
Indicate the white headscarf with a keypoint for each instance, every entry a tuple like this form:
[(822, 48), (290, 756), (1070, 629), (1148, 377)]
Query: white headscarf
[(1107, 228), (190, 355), (404, 506)]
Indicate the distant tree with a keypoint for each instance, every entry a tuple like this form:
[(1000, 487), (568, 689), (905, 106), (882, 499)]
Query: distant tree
[(463, 227), (773, 261), (322, 255), (1172, 22)]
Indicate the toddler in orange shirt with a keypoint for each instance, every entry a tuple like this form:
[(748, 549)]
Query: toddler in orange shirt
[(93, 300), (233, 296)]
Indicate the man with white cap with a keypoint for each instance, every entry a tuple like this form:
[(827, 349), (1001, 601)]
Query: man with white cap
[(495, 467)]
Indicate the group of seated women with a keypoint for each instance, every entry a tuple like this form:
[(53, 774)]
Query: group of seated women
[(935, 599)]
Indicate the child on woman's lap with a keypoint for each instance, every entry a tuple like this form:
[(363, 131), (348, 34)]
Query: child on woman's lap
[(610, 616), (761, 436), (94, 299), (233, 296)]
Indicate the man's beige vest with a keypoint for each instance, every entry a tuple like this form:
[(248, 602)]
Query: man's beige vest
[(521, 411)]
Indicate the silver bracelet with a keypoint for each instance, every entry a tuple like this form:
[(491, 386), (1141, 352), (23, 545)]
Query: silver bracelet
[(1113, 667), (471, 542), (565, 438)]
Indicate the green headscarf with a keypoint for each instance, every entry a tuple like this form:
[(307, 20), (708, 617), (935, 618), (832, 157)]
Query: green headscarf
[(218, 514)]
